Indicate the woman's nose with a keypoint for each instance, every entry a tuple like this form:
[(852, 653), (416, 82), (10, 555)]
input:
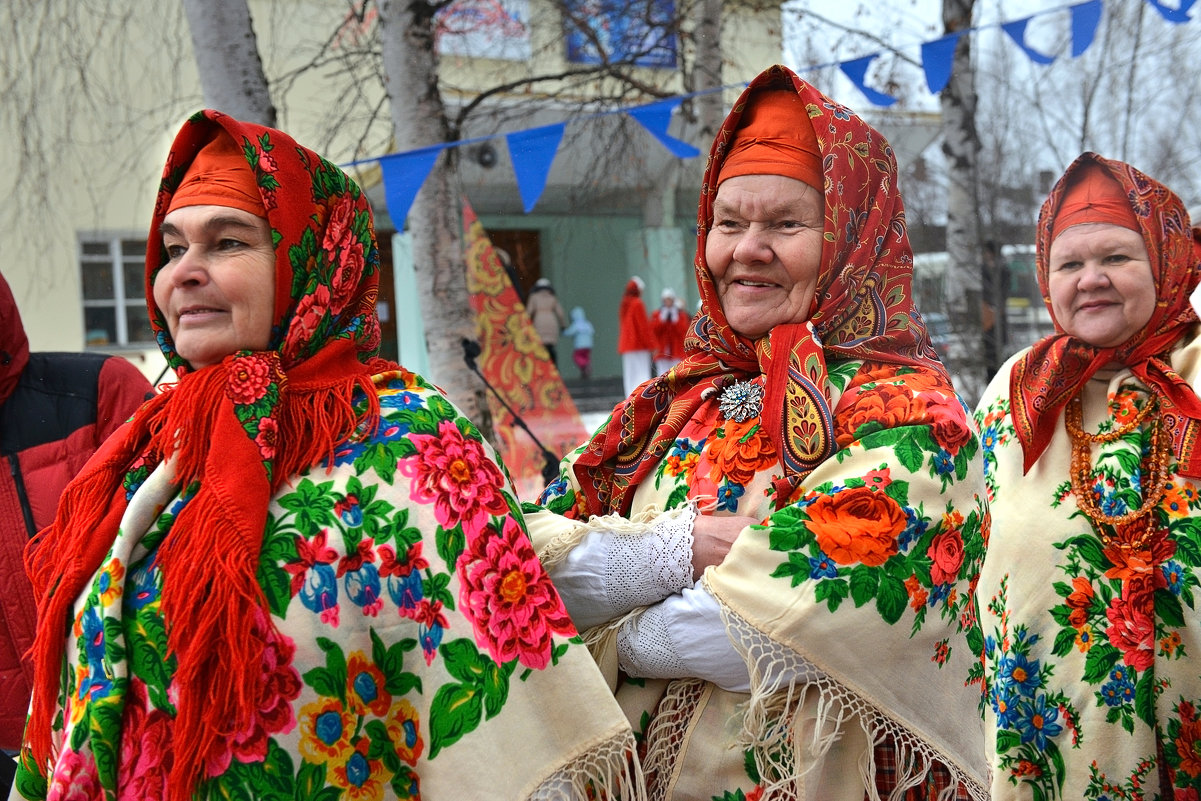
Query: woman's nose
[(753, 247), (188, 268), (1093, 276)]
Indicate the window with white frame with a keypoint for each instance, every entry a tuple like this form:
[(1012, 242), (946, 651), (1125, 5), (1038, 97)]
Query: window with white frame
[(114, 299)]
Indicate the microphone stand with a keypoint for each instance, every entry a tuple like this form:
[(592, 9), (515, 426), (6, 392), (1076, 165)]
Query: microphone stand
[(550, 470)]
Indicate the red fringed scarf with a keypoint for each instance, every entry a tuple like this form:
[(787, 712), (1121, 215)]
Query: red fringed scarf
[(233, 433), (1056, 369), (864, 310)]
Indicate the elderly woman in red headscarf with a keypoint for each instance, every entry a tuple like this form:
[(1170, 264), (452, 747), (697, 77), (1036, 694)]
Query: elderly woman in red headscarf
[(298, 572), (772, 547), (1088, 595)]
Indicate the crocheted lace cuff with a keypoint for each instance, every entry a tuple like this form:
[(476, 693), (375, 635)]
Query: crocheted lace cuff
[(642, 569), (645, 649)]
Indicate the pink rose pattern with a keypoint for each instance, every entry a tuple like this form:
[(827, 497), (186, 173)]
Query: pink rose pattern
[(1120, 633), (388, 552), (452, 472), (509, 598)]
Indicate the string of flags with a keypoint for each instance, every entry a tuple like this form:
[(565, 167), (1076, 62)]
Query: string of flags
[(532, 151)]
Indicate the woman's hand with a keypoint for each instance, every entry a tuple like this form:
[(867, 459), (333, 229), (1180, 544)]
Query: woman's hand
[(712, 537)]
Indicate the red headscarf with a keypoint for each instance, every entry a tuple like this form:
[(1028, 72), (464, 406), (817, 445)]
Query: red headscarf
[(235, 431), (1058, 366), (863, 310)]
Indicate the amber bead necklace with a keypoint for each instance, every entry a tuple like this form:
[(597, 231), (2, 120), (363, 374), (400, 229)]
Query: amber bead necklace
[(1134, 528)]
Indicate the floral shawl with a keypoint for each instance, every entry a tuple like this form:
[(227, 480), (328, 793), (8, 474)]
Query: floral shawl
[(866, 473), (1090, 649), (1090, 653), (175, 574)]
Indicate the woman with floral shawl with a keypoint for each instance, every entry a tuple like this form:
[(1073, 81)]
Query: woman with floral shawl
[(1088, 593), (773, 546), (298, 572)]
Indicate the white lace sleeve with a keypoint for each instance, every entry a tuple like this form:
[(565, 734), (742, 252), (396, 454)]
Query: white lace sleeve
[(683, 636), (611, 572)]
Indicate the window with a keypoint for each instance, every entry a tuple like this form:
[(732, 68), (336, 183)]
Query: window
[(114, 300)]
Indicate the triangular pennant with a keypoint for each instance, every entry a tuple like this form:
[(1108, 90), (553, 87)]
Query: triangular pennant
[(1017, 32), (937, 57), (403, 175), (1085, 17), (1176, 15), (655, 117), (856, 70), (532, 152)]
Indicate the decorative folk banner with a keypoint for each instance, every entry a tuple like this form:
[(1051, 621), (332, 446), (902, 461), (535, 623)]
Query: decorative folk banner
[(533, 151), (515, 363)]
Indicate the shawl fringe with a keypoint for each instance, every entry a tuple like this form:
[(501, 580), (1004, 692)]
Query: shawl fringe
[(772, 723), (611, 770), (669, 731)]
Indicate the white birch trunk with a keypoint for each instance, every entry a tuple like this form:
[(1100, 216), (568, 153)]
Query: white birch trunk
[(410, 63), (961, 145), (227, 58)]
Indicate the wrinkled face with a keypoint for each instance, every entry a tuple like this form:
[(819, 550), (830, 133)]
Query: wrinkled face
[(764, 251), (217, 290), (1100, 282)]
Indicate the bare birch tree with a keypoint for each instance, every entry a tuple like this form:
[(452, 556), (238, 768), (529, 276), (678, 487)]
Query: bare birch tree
[(961, 147), (419, 118), (227, 59)]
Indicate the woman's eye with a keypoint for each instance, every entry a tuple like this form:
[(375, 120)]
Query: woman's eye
[(174, 251), (230, 244)]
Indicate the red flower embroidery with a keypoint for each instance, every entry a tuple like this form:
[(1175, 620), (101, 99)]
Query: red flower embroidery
[(857, 525), (268, 437), (455, 473), (146, 754), (1132, 629), (946, 554), (249, 379), (278, 686), (509, 598)]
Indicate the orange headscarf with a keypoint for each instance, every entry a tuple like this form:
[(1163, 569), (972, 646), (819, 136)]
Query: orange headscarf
[(219, 176), (1057, 367), (776, 138), (1093, 197), (863, 308)]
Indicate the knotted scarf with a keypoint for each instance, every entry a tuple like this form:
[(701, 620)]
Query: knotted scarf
[(1057, 367), (232, 431)]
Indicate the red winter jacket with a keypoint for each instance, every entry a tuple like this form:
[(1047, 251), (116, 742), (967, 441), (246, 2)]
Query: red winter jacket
[(55, 410), (633, 326)]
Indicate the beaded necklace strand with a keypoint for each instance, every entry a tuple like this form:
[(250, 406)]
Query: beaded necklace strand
[(1134, 528)]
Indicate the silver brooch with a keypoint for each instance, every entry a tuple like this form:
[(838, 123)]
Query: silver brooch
[(741, 401)]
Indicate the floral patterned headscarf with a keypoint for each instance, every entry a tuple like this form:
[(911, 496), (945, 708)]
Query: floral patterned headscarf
[(1056, 369), (233, 431), (863, 310)]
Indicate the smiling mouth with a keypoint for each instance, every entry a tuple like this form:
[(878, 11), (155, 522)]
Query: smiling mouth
[(757, 284)]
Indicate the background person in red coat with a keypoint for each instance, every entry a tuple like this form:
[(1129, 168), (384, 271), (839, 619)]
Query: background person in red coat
[(634, 339), (55, 410), (669, 325)]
